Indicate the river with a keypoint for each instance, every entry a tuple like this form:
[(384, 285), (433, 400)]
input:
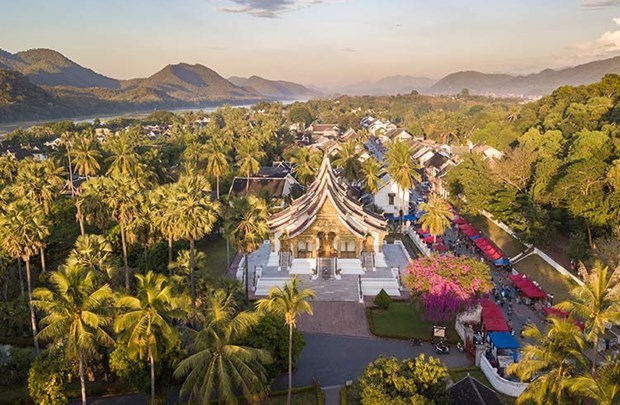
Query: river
[(7, 127)]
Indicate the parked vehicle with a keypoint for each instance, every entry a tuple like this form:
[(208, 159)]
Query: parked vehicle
[(442, 348), (416, 341), (460, 347)]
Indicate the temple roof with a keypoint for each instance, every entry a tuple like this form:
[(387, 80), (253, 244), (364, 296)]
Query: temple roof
[(303, 211)]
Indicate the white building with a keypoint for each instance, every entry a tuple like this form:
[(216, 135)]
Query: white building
[(391, 198)]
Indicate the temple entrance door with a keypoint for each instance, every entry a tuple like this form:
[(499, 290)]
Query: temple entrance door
[(326, 244)]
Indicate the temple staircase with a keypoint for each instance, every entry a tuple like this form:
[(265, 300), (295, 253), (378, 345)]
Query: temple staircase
[(327, 266)]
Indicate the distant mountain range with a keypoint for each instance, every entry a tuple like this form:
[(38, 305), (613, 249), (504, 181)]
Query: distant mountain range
[(536, 84), (43, 83)]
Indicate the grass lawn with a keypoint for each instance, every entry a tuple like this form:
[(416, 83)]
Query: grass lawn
[(214, 247), (14, 394), (551, 280), (402, 320), (476, 372), (509, 245), (299, 398)]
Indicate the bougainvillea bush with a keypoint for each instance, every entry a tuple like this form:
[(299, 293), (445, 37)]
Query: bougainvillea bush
[(446, 285)]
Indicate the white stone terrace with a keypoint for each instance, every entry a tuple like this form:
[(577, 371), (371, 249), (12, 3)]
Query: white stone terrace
[(347, 288)]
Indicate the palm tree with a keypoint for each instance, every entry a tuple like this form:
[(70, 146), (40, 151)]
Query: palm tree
[(217, 163), (76, 314), (120, 197), (596, 302), (249, 154), (40, 182), (85, 154), (195, 214), (164, 214), (371, 169), (145, 323), (552, 361), (8, 167), (22, 231), (601, 385), (219, 366), (400, 167), (289, 303), (245, 226), (124, 160), (306, 164), (192, 157), (93, 253), (347, 159), (437, 216)]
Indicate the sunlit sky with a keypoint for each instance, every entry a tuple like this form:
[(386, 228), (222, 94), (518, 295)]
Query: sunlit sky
[(317, 42)]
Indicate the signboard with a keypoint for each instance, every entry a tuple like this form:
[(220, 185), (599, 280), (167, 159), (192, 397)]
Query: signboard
[(505, 361), (439, 331)]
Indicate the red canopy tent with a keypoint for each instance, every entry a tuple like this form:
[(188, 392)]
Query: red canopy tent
[(550, 311), (533, 292), (470, 232), (431, 239), (465, 226), (459, 221), (495, 325), (493, 255), (482, 242), (440, 247), (491, 310)]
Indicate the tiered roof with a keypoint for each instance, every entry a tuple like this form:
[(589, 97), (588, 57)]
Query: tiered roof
[(303, 211)]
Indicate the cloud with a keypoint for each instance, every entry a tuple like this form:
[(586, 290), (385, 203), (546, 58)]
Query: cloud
[(607, 45), (600, 3), (270, 8)]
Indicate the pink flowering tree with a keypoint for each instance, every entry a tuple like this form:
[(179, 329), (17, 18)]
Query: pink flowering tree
[(445, 285)]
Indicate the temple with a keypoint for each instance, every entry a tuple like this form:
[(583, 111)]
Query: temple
[(327, 239)]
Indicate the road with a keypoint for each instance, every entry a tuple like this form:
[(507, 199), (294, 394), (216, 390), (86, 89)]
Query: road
[(333, 360)]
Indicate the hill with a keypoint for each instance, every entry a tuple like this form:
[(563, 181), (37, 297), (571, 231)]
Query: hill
[(536, 84), (276, 89), (192, 83), (50, 68), (390, 85)]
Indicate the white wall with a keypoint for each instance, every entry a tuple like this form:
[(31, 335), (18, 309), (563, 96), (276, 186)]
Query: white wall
[(506, 387), (382, 199)]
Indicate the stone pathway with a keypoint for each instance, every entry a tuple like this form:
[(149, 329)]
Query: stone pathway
[(336, 318)]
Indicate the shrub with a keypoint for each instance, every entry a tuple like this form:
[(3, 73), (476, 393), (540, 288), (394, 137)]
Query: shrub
[(271, 333), (14, 364), (411, 381), (47, 377), (383, 300)]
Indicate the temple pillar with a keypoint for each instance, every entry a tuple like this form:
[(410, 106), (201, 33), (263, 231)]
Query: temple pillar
[(376, 245)]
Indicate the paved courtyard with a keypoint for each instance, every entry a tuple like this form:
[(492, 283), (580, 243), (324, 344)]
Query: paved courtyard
[(336, 318), (345, 289)]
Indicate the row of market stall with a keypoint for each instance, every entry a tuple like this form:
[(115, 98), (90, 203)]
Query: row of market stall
[(485, 247)]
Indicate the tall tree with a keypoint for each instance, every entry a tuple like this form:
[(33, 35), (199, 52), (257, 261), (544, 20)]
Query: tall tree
[(249, 154), (145, 322), (602, 385), (596, 302), (85, 154), (306, 164), (217, 162), (123, 159), (401, 168), (218, 366), (195, 214), (77, 310), (93, 253), (348, 160), (22, 231), (550, 362), (288, 302), (371, 170), (245, 226), (164, 214), (437, 216)]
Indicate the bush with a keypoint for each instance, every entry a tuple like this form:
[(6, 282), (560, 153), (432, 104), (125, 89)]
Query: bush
[(271, 333), (411, 381), (47, 377), (14, 364), (383, 300)]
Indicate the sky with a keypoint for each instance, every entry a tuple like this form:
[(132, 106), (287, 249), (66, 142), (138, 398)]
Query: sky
[(320, 42)]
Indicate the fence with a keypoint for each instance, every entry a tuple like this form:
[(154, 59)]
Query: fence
[(506, 387), (418, 242)]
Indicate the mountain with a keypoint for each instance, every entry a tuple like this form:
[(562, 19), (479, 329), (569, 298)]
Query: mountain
[(50, 68), (192, 83), (390, 85), (536, 84), (276, 89)]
